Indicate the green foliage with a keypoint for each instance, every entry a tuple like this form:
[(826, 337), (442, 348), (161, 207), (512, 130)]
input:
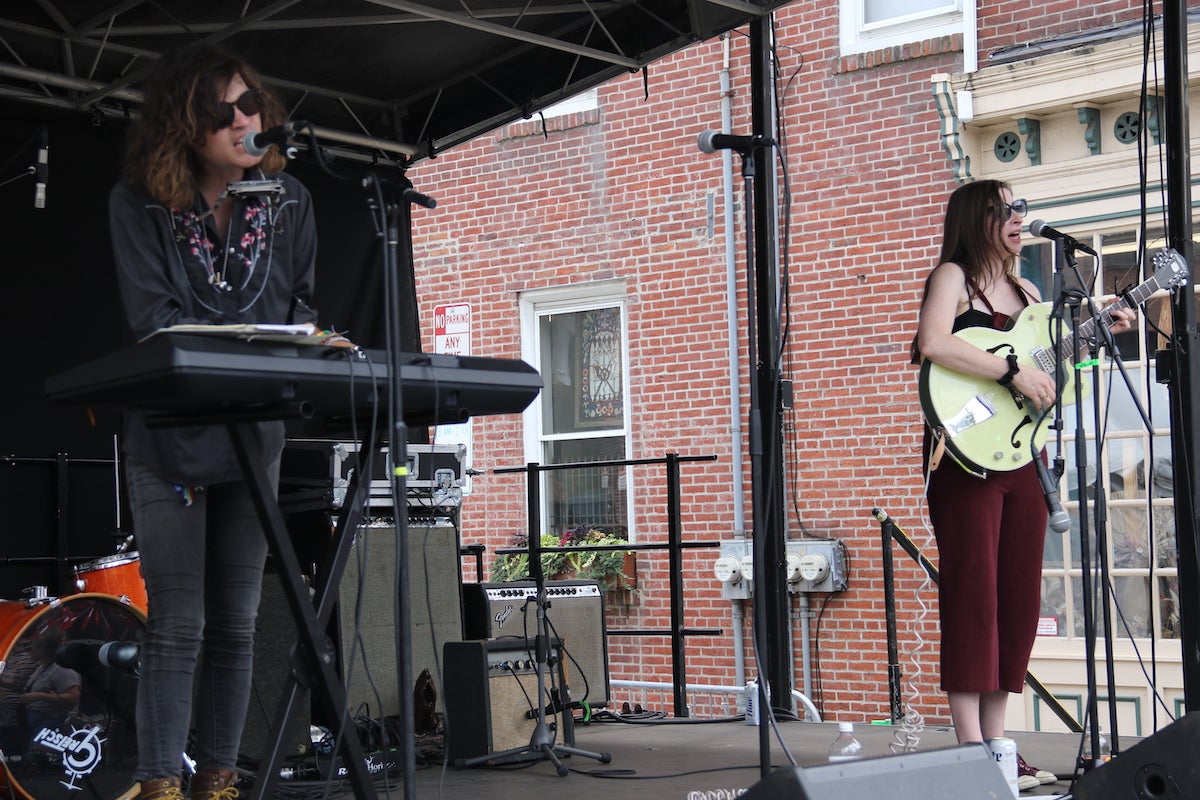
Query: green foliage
[(605, 566)]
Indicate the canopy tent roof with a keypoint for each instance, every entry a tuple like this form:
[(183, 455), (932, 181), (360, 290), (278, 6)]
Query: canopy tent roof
[(395, 79)]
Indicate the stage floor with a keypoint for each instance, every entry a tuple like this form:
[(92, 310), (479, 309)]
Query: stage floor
[(704, 760)]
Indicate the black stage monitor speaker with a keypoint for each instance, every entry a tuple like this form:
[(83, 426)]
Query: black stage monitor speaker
[(434, 575), (491, 696), (1164, 766), (955, 773), (576, 612)]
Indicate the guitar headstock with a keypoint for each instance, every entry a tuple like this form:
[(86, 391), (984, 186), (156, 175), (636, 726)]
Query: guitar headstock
[(1170, 268)]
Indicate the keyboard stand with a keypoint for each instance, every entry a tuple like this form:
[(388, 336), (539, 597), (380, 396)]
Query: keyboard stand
[(313, 661)]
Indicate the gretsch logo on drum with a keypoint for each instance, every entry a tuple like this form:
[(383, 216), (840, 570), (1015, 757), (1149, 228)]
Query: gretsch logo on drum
[(81, 750)]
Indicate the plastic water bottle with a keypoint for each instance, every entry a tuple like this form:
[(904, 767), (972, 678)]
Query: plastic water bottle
[(1105, 753), (845, 747)]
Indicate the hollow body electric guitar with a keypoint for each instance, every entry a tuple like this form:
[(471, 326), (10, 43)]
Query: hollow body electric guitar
[(987, 427)]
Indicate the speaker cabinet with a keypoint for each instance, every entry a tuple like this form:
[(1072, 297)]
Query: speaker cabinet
[(576, 616), (1163, 766), (274, 638), (491, 696), (435, 581), (933, 775)]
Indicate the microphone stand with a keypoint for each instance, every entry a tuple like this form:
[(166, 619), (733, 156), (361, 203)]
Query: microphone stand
[(391, 214), (1099, 514), (1066, 253), (762, 561)]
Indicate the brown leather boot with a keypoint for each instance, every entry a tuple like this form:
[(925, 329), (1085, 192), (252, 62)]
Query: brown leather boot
[(160, 789), (214, 784)]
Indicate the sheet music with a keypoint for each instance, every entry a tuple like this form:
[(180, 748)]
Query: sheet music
[(297, 333)]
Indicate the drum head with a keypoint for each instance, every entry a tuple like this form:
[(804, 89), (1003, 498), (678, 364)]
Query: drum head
[(90, 751)]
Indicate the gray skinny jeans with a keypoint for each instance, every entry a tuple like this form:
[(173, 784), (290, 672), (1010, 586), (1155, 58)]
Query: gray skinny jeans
[(203, 568)]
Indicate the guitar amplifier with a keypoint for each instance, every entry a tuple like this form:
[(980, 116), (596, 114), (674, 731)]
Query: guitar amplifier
[(491, 696), (576, 616)]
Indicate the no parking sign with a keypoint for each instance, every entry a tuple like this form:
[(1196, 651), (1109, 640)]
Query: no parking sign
[(452, 329), (452, 336)]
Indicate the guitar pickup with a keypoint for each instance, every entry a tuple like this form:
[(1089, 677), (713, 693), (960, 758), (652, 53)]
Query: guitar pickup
[(976, 410), (1044, 359)]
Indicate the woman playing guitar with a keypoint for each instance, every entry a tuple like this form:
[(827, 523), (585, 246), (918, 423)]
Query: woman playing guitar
[(990, 529)]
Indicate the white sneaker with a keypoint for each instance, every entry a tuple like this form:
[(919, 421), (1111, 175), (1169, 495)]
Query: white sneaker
[(1027, 782)]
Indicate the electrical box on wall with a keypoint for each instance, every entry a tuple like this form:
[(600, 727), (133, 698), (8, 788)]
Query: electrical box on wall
[(816, 565), (734, 568), (813, 565)]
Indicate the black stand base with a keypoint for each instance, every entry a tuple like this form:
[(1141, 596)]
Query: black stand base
[(541, 748)]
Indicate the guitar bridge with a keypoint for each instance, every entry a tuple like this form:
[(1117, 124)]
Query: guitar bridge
[(976, 411)]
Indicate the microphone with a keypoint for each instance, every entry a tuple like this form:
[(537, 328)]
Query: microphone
[(43, 170), (81, 654), (257, 144), (124, 656), (1060, 521), (1040, 229), (711, 142), (416, 198)]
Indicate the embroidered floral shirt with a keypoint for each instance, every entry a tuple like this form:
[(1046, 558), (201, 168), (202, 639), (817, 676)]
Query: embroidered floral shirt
[(175, 267)]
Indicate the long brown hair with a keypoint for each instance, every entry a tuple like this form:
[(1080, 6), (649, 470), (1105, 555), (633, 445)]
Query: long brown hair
[(974, 213), (182, 106)]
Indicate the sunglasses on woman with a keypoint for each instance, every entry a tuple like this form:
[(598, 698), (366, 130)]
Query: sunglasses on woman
[(250, 102), (1015, 207)]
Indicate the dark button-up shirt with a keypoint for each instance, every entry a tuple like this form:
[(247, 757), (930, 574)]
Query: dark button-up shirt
[(174, 267)]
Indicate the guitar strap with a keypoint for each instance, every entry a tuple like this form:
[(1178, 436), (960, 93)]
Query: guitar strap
[(939, 449)]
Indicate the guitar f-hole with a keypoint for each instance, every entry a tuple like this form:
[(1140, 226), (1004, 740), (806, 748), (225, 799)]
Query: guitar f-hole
[(1013, 440)]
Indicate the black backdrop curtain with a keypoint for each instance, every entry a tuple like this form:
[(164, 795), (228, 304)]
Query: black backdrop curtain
[(60, 307)]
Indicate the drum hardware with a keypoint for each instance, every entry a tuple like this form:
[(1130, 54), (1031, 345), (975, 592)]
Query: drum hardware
[(37, 595)]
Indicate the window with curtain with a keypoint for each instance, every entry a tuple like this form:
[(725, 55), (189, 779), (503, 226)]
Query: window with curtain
[(582, 356)]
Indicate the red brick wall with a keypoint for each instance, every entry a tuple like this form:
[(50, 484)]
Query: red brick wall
[(623, 193), (1004, 24)]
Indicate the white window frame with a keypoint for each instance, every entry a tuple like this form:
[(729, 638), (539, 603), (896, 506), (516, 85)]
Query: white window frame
[(588, 100), (858, 36), (536, 304)]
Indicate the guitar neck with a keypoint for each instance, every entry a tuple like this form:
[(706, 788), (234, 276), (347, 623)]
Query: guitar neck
[(1068, 347)]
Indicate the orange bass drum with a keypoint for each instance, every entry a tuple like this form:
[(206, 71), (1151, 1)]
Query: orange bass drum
[(91, 751)]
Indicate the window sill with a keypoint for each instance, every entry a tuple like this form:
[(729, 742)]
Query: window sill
[(884, 56)]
